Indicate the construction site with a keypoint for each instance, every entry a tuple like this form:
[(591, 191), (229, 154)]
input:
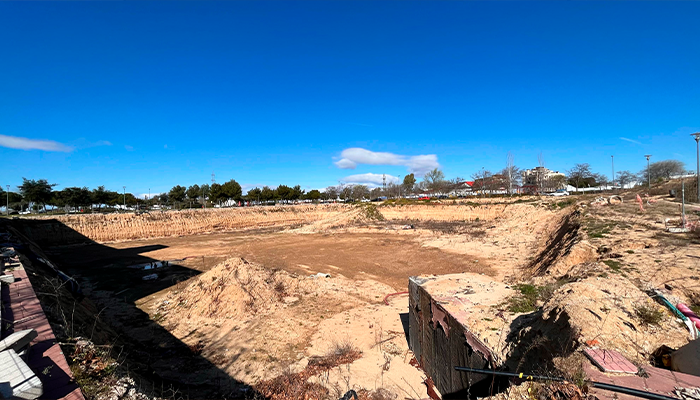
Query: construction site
[(558, 297)]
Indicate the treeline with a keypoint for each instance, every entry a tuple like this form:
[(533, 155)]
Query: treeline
[(40, 193)]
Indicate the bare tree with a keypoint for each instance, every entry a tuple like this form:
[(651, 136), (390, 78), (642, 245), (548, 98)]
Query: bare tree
[(434, 180), (579, 173), (664, 169), (624, 178), (331, 192), (512, 173), (359, 192)]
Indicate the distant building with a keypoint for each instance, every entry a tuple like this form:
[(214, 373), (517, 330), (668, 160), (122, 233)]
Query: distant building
[(463, 189), (542, 180)]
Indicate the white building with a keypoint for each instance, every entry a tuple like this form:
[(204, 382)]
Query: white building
[(541, 179)]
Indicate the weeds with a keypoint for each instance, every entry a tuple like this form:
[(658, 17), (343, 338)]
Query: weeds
[(649, 315), (615, 266), (297, 386), (526, 300), (597, 229), (562, 204), (371, 212)]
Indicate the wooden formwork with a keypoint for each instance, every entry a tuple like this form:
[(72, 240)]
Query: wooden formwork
[(447, 329)]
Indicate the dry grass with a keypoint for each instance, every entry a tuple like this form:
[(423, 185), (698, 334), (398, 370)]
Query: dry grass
[(292, 386)]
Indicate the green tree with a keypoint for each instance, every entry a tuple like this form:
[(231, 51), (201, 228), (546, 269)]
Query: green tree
[(285, 192), (100, 196), (254, 194), (72, 197), (409, 182), (231, 190), (15, 199), (205, 192), (297, 192), (194, 192), (37, 192), (267, 194), (177, 193), (314, 195), (215, 193)]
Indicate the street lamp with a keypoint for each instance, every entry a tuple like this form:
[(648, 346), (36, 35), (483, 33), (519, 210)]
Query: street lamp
[(648, 156), (124, 197), (7, 205), (612, 160), (697, 147), (399, 186)]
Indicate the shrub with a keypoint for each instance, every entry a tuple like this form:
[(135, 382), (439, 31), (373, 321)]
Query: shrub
[(649, 315)]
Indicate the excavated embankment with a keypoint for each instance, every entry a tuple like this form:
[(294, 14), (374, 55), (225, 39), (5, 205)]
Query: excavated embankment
[(75, 229)]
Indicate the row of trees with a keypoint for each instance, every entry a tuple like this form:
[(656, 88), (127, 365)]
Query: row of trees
[(40, 192), (581, 175)]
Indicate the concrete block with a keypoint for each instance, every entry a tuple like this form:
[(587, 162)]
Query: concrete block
[(16, 379), (7, 279), (447, 327), (18, 340)]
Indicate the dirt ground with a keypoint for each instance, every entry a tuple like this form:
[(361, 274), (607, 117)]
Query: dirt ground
[(246, 300)]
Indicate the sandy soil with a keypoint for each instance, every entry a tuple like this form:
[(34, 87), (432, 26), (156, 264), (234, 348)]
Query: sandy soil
[(245, 300)]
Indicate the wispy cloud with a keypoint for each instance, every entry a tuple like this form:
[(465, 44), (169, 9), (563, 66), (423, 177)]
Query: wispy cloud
[(630, 140), (15, 142), (419, 165), (369, 179), (129, 148)]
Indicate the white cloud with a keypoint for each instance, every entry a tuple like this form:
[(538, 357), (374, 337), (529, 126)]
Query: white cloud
[(369, 179), (129, 148), (14, 142), (630, 140), (415, 164)]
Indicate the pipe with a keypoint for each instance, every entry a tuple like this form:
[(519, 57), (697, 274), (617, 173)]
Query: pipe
[(599, 385), (386, 298)]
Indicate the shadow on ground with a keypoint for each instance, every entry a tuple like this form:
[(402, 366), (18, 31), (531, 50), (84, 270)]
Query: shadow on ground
[(105, 309)]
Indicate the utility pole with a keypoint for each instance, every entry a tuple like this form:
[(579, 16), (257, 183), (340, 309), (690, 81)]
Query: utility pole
[(683, 203), (7, 205), (697, 149), (612, 160), (124, 198), (400, 184), (648, 156)]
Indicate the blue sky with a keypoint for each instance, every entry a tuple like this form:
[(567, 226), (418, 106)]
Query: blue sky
[(150, 95)]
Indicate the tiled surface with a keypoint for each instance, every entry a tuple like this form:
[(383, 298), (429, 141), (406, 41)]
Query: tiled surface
[(23, 382), (660, 381), (610, 361), (45, 357)]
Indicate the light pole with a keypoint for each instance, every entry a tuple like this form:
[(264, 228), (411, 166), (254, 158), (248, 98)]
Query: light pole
[(7, 205), (399, 186), (612, 160), (124, 197), (697, 174), (648, 156)]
